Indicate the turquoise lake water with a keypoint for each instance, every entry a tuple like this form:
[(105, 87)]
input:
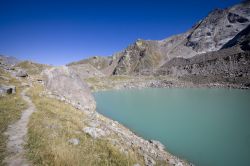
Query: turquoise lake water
[(208, 127)]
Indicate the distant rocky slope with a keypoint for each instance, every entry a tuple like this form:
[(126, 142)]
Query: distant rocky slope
[(229, 64), (147, 56), (8, 60)]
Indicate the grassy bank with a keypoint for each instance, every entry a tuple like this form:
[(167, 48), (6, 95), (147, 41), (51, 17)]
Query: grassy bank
[(54, 124), (11, 107)]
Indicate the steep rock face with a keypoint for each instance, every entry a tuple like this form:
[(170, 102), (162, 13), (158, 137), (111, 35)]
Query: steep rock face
[(142, 56), (231, 63), (64, 82), (146, 56), (218, 28), (242, 39)]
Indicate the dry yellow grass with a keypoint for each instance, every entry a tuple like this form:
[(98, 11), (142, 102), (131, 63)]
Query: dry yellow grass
[(50, 128), (11, 107)]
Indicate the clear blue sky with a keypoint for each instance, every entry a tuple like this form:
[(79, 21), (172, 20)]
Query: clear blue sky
[(59, 32)]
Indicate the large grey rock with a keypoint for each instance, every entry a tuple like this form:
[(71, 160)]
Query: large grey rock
[(21, 73), (7, 89), (65, 83)]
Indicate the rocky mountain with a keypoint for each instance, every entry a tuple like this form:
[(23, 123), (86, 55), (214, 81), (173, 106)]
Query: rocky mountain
[(229, 64), (147, 56)]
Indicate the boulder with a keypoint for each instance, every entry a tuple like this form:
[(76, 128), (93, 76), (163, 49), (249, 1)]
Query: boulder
[(65, 83), (7, 89), (149, 161), (21, 73)]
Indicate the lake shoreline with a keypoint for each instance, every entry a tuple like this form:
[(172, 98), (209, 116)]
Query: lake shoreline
[(103, 98), (152, 151), (164, 84)]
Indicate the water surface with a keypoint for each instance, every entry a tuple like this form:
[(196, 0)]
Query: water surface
[(209, 127)]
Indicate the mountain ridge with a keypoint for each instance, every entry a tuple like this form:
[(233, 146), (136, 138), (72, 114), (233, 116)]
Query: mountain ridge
[(146, 56)]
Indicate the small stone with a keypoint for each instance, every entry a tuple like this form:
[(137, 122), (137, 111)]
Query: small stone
[(7, 89), (136, 164), (157, 144), (179, 164), (74, 141), (94, 124), (149, 161), (172, 161), (95, 132)]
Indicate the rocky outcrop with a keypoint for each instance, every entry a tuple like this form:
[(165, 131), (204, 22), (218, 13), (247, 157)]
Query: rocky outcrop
[(141, 57), (242, 39), (218, 27), (65, 83), (214, 63), (21, 73), (230, 64)]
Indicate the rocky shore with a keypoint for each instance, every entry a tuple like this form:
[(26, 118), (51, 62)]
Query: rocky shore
[(112, 83), (101, 127)]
